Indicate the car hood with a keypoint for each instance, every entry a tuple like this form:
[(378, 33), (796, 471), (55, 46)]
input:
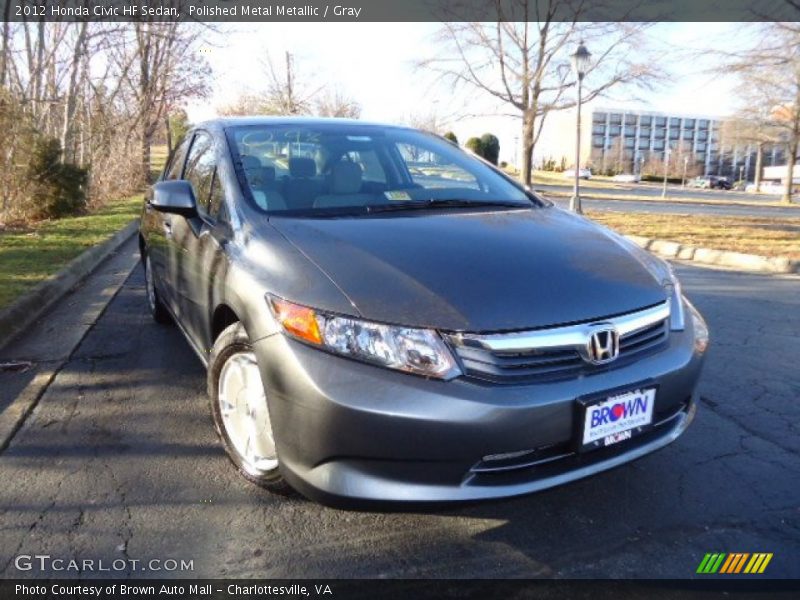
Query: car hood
[(478, 271)]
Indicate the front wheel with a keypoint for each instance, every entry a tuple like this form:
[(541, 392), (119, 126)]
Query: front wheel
[(240, 409)]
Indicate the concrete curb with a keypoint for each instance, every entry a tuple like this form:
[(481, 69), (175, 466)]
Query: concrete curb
[(722, 258), (24, 311)]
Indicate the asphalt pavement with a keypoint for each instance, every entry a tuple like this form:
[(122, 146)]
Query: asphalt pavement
[(715, 204), (120, 461)]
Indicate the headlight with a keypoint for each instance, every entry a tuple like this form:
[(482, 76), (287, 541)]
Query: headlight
[(677, 316), (700, 329), (419, 351)]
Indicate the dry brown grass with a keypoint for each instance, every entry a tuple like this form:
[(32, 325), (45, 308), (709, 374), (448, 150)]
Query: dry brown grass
[(752, 235)]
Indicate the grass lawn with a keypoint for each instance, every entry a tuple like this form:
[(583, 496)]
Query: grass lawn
[(671, 199), (32, 254), (752, 235)]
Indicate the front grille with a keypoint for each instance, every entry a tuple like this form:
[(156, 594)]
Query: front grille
[(523, 357)]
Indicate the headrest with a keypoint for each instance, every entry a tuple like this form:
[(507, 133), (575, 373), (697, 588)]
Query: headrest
[(250, 162), (302, 167), (268, 174), (345, 178)]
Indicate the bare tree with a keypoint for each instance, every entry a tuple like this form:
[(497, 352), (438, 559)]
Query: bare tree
[(752, 127), (285, 94), (769, 73), (521, 59), (335, 103), (160, 68)]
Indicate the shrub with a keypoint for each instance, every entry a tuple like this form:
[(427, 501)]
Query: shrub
[(474, 144), (57, 189), (491, 147), (450, 136)]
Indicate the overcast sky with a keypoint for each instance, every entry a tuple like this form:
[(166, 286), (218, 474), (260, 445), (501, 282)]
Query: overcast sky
[(375, 64)]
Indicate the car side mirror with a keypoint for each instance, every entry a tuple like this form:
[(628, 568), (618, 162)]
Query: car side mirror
[(174, 196)]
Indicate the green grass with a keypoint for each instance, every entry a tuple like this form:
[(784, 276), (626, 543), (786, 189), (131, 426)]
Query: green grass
[(751, 235), (32, 254)]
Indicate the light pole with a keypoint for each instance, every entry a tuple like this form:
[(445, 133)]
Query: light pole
[(516, 151), (685, 165), (666, 169), (741, 173), (580, 62)]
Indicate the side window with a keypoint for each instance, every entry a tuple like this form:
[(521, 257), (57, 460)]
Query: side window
[(215, 201), (176, 164), (200, 168)]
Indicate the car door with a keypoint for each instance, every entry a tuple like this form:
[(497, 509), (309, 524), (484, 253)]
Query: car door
[(199, 242), (158, 226)]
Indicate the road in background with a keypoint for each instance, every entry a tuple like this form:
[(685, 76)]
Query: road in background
[(120, 460)]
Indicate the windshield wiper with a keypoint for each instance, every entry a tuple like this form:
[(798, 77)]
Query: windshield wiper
[(439, 203)]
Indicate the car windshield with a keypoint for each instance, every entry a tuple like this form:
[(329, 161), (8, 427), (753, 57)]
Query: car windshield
[(332, 167)]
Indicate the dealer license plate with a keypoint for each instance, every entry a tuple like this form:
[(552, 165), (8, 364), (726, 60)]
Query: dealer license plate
[(617, 418)]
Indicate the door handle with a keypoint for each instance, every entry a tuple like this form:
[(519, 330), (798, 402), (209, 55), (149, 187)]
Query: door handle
[(168, 228)]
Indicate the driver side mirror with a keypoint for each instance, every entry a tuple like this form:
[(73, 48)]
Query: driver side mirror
[(175, 196)]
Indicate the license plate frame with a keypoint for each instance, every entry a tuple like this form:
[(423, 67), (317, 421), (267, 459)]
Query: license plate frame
[(585, 403)]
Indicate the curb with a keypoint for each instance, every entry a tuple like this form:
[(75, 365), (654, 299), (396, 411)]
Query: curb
[(695, 201), (26, 309), (722, 258)]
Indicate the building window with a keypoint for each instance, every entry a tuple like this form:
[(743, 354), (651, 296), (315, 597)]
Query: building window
[(674, 134), (644, 143), (688, 123), (630, 130), (704, 123), (599, 129), (702, 136), (616, 118), (597, 141), (645, 120), (661, 121), (644, 132), (629, 142), (614, 130), (674, 122), (688, 134), (700, 147), (599, 117), (658, 145)]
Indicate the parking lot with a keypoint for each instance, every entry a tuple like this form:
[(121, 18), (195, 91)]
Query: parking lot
[(120, 460)]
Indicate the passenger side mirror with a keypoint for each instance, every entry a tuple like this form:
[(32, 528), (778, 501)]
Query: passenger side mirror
[(175, 196)]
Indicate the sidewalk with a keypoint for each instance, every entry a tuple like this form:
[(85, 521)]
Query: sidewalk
[(36, 356)]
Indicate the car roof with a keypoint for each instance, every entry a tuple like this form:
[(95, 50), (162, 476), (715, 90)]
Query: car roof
[(226, 122)]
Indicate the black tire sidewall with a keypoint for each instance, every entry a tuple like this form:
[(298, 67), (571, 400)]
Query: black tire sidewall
[(159, 311)]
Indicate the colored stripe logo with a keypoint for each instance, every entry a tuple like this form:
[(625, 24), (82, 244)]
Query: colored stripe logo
[(734, 562)]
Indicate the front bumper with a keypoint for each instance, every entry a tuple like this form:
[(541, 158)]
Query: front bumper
[(348, 431)]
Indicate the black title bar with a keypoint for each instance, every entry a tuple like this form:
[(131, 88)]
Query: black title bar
[(399, 10)]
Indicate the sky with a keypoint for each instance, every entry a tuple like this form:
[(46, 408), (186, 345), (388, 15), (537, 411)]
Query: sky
[(375, 63)]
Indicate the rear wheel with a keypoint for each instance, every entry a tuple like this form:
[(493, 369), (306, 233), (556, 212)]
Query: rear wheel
[(240, 409), (157, 309)]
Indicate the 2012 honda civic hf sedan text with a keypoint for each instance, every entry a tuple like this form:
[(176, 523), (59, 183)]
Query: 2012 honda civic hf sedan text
[(386, 317)]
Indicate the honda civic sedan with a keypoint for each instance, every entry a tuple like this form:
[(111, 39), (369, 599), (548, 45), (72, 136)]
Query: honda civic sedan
[(385, 317)]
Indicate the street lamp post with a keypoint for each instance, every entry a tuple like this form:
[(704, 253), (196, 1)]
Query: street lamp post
[(580, 62), (666, 170), (685, 165), (741, 173)]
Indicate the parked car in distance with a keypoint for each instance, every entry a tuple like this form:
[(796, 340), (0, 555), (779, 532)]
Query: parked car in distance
[(385, 317), (711, 182), (583, 173), (626, 178)]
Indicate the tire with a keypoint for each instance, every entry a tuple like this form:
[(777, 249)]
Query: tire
[(241, 417), (158, 311)]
